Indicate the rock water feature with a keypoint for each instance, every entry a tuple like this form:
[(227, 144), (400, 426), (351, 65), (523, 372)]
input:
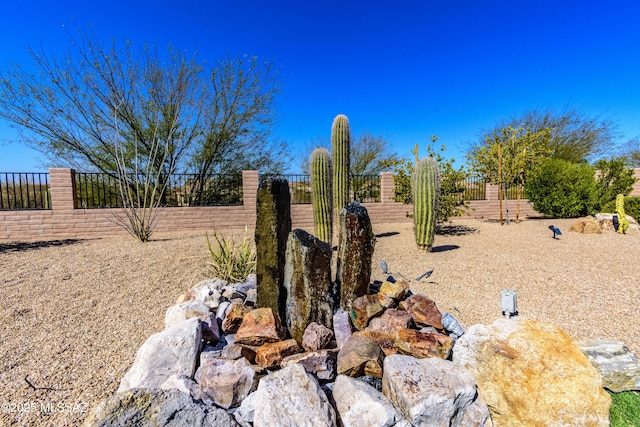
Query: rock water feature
[(388, 360)]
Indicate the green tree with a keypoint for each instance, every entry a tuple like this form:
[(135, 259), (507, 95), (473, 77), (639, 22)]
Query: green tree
[(209, 118), (452, 181), (562, 189), (613, 178)]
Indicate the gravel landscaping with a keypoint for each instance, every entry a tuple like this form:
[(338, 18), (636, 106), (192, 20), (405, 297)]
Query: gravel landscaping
[(73, 313)]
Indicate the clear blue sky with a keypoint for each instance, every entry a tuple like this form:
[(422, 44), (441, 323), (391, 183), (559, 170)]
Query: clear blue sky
[(402, 69)]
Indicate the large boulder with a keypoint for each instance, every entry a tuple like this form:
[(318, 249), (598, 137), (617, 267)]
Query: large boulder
[(433, 392), (172, 351), (531, 373), (618, 366), (291, 397), (156, 408)]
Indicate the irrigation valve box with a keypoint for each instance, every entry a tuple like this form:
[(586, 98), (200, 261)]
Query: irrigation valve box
[(509, 302)]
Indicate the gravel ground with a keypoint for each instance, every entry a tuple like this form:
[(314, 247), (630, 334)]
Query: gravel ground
[(74, 313)]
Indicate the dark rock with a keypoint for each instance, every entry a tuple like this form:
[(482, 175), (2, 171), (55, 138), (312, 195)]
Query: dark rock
[(360, 356)]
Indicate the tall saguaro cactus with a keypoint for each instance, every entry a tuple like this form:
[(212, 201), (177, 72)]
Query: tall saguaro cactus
[(426, 193), (340, 146), (321, 194)]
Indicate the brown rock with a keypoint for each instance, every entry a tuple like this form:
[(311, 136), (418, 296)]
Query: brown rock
[(271, 354), (531, 373), (260, 326), (421, 345), (233, 318), (391, 321), (361, 356), (316, 337), (385, 301), (384, 340), (423, 310), (395, 290), (235, 351), (365, 308), (190, 295), (321, 364), (586, 225)]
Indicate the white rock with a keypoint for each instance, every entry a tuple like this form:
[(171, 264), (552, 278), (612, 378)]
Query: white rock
[(246, 410), (618, 366), (341, 327), (291, 397), (172, 351), (361, 405), (181, 312), (428, 392), (179, 382), (226, 382)]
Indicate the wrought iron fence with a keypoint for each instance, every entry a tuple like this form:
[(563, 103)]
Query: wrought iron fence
[(24, 190), (299, 186), (101, 190), (474, 189), (363, 188)]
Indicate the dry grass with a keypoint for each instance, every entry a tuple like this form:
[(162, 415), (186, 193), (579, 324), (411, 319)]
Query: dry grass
[(74, 313)]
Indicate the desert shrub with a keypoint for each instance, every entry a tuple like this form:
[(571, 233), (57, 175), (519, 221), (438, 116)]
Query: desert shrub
[(625, 409), (562, 189), (232, 261), (613, 178), (631, 207)]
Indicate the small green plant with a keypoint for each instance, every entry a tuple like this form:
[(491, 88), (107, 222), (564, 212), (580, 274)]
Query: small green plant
[(625, 409), (631, 207), (232, 261)]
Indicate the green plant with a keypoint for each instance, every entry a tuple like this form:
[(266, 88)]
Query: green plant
[(625, 409), (631, 207), (340, 146), (426, 192), (622, 218), (562, 189), (613, 178), (321, 197), (232, 261)]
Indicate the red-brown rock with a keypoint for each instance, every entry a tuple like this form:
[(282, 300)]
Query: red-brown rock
[(233, 318), (391, 321), (271, 354), (361, 356), (260, 326), (364, 309), (423, 310), (316, 337), (421, 345)]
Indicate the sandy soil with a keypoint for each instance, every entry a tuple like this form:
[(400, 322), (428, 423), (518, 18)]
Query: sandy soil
[(73, 313)]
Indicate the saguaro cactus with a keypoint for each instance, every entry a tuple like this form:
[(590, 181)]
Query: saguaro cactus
[(622, 218), (340, 146), (321, 194), (426, 193)]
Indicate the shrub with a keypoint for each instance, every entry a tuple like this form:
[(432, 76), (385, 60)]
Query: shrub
[(613, 178), (625, 409), (563, 189), (631, 207), (232, 261)]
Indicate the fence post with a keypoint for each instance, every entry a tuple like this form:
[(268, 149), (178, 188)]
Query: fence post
[(250, 183), (387, 187), (63, 188)]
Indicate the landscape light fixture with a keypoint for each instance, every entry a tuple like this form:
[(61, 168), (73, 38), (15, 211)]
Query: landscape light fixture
[(509, 303)]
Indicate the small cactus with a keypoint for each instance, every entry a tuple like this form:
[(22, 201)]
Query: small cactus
[(622, 218), (426, 193), (340, 145), (321, 194)]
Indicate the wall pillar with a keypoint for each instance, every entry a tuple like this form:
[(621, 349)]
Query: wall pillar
[(63, 189), (250, 183), (387, 188)]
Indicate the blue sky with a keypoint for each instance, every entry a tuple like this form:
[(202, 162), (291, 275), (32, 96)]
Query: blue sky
[(404, 70)]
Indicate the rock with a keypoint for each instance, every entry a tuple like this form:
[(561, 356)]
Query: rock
[(236, 351), (233, 318), (321, 364), (271, 354), (172, 351), (365, 308), (260, 326), (356, 241), (587, 225), (291, 397), (395, 290), (341, 327), (384, 340), (226, 382), (316, 337), (429, 392), (531, 373), (230, 292), (245, 413), (156, 408), (360, 356), (210, 329), (182, 383), (307, 280), (391, 321), (252, 298), (359, 404), (385, 301), (221, 312), (606, 222), (420, 344), (188, 309), (618, 366), (273, 224), (423, 310)]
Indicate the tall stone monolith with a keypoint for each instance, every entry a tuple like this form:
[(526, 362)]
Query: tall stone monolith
[(273, 224), (307, 280), (355, 249)]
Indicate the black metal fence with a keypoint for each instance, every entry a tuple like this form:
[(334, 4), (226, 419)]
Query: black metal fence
[(474, 189), (101, 190), (24, 190), (363, 188)]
